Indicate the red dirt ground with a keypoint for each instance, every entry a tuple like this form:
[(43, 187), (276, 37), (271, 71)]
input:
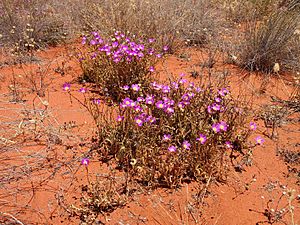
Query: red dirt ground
[(32, 199)]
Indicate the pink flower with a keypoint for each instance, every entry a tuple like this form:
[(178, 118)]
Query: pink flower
[(151, 69), (82, 90), (209, 109), (169, 110), (167, 137), (186, 145), (151, 40), (215, 127), (259, 140), (135, 87), (253, 126), (139, 121), (85, 161), (228, 145), (172, 148), (160, 105), (202, 138), (66, 87), (127, 102), (223, 126), (97, 101), (120, 118), (223, 92), (216, 107)]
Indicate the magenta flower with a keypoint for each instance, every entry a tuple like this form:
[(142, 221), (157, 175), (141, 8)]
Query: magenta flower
[(97, 101), (120, 118), (259, 140), (169, 110), (82, 90), (216, 107), (175, 85), (85, 161), (172, 148), (127, 102), (167, 137), (218, 100), (198, 89), (165, 48), (149, 100), (182, 81), (168, 101), (253, 126), (202, 138), (223, 126), (151, 51), (138, 108), (139, 121), (228, 145), (140, 99), (125, 88), (116, 60), (133, 104), (93, 42), (151, 119), (181, 105), (166, 89), (160, 105), (186, 145), (191, 85), (135, 87), (223, 92), (185, 97), (156, 86), (151, 69), (115, 44), (140, 55), (151, 40), (191, 94), (209, 109), (66, 87), (215, 127), (83, 42)]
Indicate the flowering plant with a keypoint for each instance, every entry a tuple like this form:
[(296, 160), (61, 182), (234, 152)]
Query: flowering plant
[(176, 130), (118, 62)]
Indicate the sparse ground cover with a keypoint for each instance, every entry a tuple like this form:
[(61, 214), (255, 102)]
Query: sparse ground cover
[(188, 117)]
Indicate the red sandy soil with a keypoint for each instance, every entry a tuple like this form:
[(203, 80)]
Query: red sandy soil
[(32, 199)]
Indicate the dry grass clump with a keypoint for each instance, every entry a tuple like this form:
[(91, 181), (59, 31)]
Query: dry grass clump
[(272, 45), (164, 20), (30, 25), (240, 10)]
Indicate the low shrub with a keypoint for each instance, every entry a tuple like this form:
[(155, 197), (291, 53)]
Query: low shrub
[(118, 63), (175, 132)]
